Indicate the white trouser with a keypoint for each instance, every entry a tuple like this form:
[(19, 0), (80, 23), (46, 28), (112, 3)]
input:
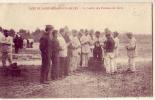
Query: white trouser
[(115, 64), (131, 63), (73, 63), (109, 62), (84, 60), (115, 59)]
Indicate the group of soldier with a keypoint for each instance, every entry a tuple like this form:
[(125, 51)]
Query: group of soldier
[(63, 51), (7, 42)]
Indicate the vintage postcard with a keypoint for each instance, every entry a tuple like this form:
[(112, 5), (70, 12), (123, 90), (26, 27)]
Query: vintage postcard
[(76, 50)]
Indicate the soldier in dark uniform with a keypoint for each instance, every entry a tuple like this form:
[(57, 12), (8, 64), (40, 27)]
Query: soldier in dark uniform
[(54, 50), (45, 54), (16, 43)]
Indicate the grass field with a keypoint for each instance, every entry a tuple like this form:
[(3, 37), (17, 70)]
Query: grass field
[(86, 82)]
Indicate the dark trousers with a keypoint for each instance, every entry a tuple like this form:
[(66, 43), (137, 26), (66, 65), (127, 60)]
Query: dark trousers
[(16, 49), (55, 66), (45, 67), (63, 66)]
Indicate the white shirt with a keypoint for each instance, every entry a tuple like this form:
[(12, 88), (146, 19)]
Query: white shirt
[(63, 46), (116, 42), (131, 43), (6, 44), (76, 44), (1, 36), (85, 44), (131, 51)]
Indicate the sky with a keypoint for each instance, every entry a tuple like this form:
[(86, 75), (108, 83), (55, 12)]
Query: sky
[(121, 17)]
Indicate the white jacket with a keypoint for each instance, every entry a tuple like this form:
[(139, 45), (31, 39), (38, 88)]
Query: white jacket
[(63, 46)]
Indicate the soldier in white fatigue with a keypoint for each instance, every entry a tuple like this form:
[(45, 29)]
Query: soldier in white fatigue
[(116, 49), (91, 43), (75, 46), (63, 54), (85, 49), (131, 52), (6, 48), (109, 46)]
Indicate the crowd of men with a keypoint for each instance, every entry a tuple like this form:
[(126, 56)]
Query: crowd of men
[(64, 51)]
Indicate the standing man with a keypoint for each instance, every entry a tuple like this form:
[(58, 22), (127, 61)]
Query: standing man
[(65, 34), (45, 53), (17, 43), (6, 48), (109, 46), (54, 50), (63, 54), (75, 46), (131, 52), (85, 49), (116, 39)]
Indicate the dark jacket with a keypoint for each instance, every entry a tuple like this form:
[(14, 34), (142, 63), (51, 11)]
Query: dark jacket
[(54, 46), (44, 44), (109, 45)]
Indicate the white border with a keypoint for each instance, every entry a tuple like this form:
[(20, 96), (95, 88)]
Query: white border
[(86, 1)]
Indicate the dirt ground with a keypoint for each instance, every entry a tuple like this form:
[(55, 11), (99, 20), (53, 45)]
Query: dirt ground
[(83, 83)]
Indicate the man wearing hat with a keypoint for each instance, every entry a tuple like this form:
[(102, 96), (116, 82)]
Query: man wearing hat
[(6, 48), (131, 52), (116, 39), (45, 53), (109, 46)]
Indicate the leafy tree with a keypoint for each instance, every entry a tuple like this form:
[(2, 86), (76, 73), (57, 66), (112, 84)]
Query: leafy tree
[(36, 35)]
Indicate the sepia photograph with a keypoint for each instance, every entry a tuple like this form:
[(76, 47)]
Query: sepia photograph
[(76, 50)]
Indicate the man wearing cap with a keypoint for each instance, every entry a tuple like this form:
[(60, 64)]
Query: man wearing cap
[(6, 48), (131, 52), (116, 40), (45, 53), (109, 46)]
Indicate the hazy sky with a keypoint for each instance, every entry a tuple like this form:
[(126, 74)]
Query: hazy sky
[(121, 17)]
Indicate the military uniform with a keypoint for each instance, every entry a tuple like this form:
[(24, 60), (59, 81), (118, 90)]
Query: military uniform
[(63, 56), (101, 41), (45, 54), (131, 52), (85, 50), (6, 49), (75, 59), (17, 43), (54, 54), (116, 40), (109, 55)]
